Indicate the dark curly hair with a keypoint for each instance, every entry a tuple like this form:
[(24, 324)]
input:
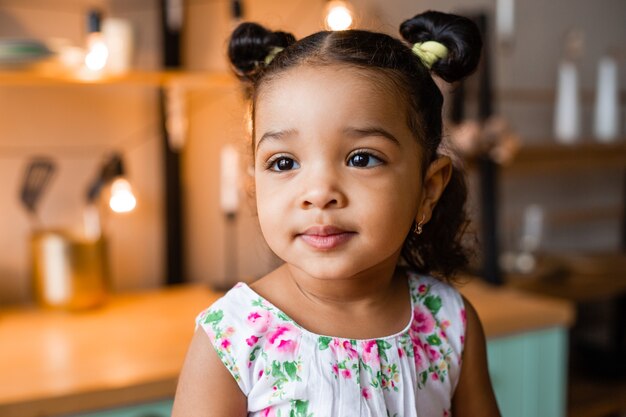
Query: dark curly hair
[(439, 249)]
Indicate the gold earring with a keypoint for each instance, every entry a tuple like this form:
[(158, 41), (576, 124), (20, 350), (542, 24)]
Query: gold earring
[(419, 227)]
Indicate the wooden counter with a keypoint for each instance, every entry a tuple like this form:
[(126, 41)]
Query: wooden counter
[(128, 351), (131, 350), (507, 311)]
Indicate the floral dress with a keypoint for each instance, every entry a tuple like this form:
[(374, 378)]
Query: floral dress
[(287, 371)]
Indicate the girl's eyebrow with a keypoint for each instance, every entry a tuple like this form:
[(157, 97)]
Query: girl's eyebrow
[(352, 132), (360, 132), (276, 135)]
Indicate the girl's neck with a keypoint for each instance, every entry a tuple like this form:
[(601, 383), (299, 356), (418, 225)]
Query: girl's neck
[(371, 304), (369, 287)]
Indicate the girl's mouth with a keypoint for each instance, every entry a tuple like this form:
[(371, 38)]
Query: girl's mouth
[(325, 237)]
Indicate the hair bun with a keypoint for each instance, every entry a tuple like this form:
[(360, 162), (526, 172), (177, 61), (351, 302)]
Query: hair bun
[(457, 33), (249, 45)]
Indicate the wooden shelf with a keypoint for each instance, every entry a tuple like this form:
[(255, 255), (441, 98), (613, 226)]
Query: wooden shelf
[(576, 277), (198, 79), (586, 154)]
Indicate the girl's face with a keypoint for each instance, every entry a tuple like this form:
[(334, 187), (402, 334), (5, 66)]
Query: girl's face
[(337, 170)]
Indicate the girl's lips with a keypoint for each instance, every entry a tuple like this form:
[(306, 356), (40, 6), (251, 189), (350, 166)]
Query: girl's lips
[(325, 237)]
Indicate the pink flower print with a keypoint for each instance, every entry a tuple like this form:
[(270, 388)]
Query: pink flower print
[(283, 339), (251, 341), (464, 317), (268, 412), (400, 353), (446, 413), (336, 368), (434, 376), (365, 392), (352, 354), (225, 344), (260, 320), (422, 289), (346, 373), (418, 351), (370, 353), (260, 374), (423, 321), (444, 325), (462, 340), (432, 353)]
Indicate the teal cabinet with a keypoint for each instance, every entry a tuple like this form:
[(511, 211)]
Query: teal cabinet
[(156, 409), (529, 373)]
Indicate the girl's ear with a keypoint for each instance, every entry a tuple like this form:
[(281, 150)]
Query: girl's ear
[(436, 179)]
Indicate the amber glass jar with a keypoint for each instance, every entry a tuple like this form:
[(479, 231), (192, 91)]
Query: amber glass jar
[(68, 272)]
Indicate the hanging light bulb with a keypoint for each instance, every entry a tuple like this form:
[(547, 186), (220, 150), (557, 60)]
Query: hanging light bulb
[(97, 52), (339, 15), (122, 198)]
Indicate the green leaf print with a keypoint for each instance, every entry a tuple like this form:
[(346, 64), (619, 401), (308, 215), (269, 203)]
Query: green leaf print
[(277, 372), (433, 340), (291, 368), (259, 303), (214, 317), (433, 303), (423, 377), (323, 342), (284, 317), (253, 353), (300, 408), (383, 345)]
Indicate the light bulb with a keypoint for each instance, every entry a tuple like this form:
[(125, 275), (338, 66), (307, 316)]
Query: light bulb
[(122, 199), (97, 52), (338, 15)]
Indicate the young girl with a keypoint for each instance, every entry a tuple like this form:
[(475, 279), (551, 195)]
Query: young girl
[(354, 197)]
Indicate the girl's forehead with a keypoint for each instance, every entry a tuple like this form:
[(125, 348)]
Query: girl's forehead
[(342, 80)]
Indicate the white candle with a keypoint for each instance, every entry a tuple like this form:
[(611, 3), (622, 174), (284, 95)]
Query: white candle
[(567, 111), (606, 125), (229, 179)]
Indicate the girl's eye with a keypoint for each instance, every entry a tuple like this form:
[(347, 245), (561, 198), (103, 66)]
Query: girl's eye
[(283, 163), (364, 160)]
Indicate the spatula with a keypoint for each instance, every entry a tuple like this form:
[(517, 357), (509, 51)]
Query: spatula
[(38, 173)]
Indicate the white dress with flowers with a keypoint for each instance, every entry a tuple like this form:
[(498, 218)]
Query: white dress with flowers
[(286, 371)]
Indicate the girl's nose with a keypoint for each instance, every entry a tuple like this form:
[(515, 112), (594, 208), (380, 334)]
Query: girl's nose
[(323, 192)]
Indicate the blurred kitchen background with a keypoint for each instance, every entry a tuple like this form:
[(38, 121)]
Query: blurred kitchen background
[(541, 129)]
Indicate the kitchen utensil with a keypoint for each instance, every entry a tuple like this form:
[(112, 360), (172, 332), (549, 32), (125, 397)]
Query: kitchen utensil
[(39, 172)]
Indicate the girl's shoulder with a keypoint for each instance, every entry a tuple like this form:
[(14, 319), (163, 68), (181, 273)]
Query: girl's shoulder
[(441, 301), (422, 286), (233, 300), (236, 324), (237, 308)]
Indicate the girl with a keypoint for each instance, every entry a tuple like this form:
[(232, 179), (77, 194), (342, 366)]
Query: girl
[(352, 194)]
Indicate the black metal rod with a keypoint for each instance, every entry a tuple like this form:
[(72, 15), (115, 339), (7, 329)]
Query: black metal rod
[(623, 242), (488, 168), (173, 195), (171, 28)]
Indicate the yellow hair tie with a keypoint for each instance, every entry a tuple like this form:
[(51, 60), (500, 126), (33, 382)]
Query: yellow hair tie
[(430, 52), (273, 52)]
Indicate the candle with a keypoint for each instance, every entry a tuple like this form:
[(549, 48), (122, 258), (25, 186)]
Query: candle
[(606, 125), (567, 112), (229, 179)]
